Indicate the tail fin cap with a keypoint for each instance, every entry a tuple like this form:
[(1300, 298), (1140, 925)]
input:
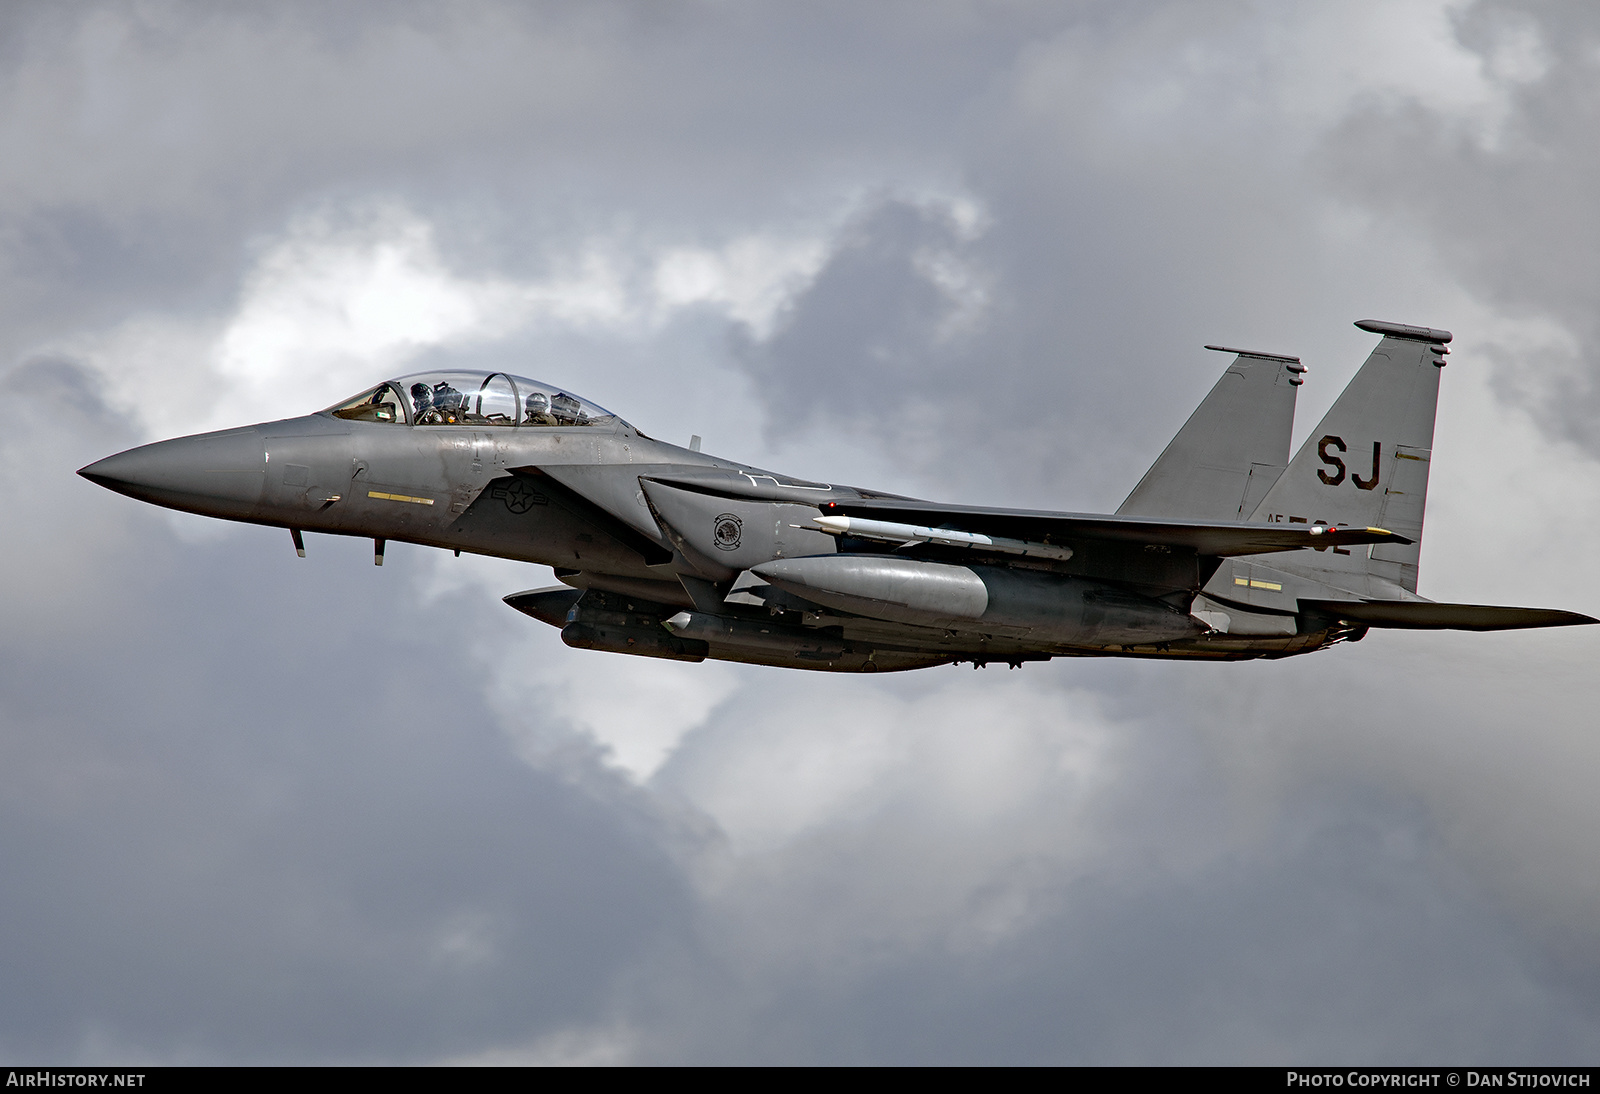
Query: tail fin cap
[(1404, 330)]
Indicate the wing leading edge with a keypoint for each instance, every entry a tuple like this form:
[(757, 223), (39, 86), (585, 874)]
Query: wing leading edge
[(1214, 539)]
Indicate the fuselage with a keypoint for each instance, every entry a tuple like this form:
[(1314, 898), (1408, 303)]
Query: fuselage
[(1228, 548), (665, 551)]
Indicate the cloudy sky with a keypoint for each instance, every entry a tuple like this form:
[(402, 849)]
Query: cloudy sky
[(260, 809)]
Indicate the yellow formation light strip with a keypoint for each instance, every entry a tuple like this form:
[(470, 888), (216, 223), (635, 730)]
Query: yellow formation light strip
[(398, 497), (1250, 583)]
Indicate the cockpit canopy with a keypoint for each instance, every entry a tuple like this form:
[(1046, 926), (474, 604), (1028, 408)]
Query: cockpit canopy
[(463, 397)]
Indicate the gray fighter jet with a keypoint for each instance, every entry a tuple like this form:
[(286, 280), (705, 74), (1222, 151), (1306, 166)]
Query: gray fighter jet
[(1227, 548)]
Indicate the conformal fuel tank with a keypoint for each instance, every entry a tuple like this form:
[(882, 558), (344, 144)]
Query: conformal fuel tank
[(1054, 607)]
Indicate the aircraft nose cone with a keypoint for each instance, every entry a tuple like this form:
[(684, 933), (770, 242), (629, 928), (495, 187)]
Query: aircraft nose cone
[(215, 473)]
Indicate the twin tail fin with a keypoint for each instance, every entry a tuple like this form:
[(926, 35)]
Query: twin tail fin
[(1366, 464)]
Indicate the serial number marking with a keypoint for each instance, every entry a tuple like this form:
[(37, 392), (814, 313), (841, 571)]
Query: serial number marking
[(379, 494)]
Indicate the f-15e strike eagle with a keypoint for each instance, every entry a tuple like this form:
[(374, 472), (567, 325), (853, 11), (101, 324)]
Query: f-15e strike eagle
[(1227, 549)]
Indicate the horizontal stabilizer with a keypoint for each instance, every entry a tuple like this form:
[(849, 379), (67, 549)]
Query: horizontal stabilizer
[(1219, 539), (1426, 616)]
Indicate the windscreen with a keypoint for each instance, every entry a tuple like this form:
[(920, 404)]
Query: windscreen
[(497, 399), (463, 397)]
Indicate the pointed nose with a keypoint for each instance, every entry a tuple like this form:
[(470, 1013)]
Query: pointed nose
[(219, 474)]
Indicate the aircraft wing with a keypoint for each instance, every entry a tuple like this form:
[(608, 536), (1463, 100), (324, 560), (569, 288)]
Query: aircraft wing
[(1428, 616), (1203, 538)]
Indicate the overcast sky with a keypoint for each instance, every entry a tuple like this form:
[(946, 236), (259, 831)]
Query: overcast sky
[(261, 809)]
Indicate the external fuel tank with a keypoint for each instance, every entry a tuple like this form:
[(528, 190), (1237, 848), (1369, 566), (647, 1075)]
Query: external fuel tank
[(1039, 604)]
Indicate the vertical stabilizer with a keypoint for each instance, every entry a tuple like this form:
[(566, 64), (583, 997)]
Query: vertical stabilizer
[(1232, 448), (1366, 464)]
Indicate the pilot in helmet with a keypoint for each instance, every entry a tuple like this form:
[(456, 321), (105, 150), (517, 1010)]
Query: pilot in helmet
[(538, 408)]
